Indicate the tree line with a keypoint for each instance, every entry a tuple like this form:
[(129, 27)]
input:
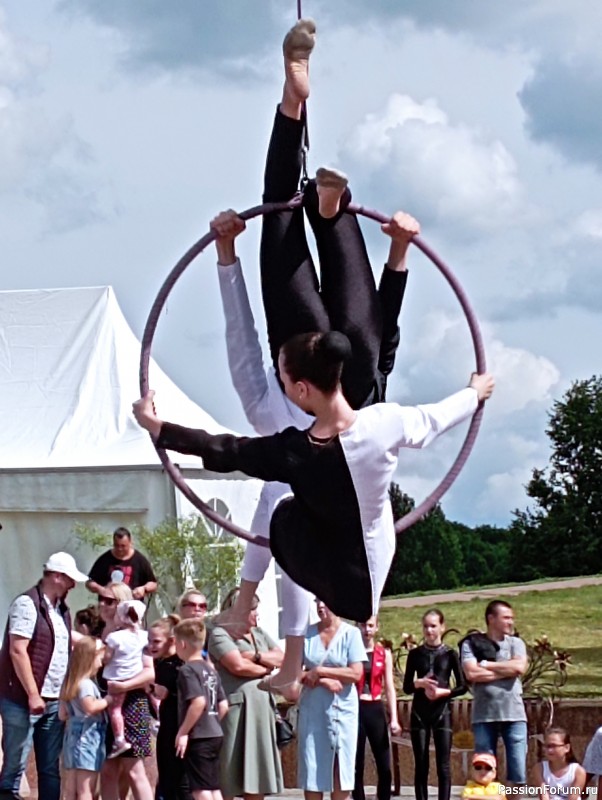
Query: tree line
[(558, 535)]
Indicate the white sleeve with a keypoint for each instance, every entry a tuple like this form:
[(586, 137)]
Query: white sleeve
[(113, 640), (466, 654), (22, 617), (417, 426), (245, 358)]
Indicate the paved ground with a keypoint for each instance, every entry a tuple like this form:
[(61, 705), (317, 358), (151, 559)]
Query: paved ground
[(297, 794), (488, 594), (405, 791)]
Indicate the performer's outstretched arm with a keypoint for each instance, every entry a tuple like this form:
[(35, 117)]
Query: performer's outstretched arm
[(263, 457), (418, 426)]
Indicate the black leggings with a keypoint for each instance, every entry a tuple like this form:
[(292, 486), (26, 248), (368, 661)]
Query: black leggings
[(345, 298), (373, 727), (421, 727)]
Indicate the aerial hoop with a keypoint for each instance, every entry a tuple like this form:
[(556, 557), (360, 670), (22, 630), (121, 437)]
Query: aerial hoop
[(267, 208)]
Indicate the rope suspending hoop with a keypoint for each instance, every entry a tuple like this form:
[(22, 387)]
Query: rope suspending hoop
[(151, 325)]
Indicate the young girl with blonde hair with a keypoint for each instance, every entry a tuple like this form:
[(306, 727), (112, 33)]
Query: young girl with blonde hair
[(83, 710), (123, 660)]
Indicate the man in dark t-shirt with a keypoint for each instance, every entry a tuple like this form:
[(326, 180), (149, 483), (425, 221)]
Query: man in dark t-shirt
[(122, 564)]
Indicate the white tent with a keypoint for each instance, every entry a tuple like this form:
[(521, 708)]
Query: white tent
[(70, 449)]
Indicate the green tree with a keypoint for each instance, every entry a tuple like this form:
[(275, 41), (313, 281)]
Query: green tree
[(437, 553), (486, 554), (183, 553), (560, 536), (428, 555)]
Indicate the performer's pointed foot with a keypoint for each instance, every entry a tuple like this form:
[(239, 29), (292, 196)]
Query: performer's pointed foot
[(330, 185), (297, 47), (300, 40), (277, 684), (236, 625)]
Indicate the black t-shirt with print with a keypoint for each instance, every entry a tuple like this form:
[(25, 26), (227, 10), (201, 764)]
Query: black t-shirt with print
[(198, 679), (134, 571)]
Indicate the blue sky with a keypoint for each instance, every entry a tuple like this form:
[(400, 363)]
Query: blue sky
[(124, 127)]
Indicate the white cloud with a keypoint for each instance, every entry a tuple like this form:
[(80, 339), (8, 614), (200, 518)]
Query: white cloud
[(188, 36), (448, 171), (372, 140), (522, 377), (20, 60), (503, 492), (589, 224), (28, 140), (42, 159)]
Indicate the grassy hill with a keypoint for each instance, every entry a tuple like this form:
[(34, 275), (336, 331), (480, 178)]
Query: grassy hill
[(571, 619)]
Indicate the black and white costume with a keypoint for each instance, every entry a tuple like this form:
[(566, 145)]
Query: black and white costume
[(335, 537), (346, 299)]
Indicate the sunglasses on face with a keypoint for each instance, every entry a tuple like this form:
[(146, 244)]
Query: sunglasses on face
[(482, 768), (200, 606), (107, 601)]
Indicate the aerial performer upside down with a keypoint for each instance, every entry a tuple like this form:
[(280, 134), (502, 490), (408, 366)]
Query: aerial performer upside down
[(328, 438)]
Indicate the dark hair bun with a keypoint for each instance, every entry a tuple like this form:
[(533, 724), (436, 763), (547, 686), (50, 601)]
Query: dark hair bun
[(335, 346)]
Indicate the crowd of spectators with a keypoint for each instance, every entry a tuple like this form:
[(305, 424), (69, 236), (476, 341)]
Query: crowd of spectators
[(88, 697)]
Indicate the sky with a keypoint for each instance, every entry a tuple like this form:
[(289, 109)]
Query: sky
[(125, 127)]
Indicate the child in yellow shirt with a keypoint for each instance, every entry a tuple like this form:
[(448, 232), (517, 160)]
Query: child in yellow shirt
[(482, 782)]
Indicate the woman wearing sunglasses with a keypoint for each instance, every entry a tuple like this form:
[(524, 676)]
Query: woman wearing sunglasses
[(192, 605)]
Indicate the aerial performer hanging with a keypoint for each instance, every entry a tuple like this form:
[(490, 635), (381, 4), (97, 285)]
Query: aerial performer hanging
[(345, 299), (328, 434)]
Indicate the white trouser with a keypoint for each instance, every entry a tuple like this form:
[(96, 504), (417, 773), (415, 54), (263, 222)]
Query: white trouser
[(296, 602)]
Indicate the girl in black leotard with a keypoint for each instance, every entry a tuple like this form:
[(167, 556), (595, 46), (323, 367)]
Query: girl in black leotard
[(428, 672)]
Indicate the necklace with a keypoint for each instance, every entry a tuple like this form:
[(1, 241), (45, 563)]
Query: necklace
[(319, 441), (342, 423)]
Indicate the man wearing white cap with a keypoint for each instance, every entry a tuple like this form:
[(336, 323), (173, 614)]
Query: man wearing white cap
[(33, 662)]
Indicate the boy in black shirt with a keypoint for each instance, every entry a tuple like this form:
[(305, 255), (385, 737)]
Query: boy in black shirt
[(172, 783), (201, 705)]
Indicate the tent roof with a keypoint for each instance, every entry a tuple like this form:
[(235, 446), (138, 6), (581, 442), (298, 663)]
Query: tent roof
[(68, 376)]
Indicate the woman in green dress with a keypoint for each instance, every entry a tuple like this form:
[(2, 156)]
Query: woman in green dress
[(250, 761)]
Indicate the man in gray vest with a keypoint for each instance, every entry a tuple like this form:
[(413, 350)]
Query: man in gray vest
[(33, 663), (497, 706)]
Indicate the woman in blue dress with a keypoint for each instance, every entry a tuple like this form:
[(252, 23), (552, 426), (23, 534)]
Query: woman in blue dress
[(328, 707)]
